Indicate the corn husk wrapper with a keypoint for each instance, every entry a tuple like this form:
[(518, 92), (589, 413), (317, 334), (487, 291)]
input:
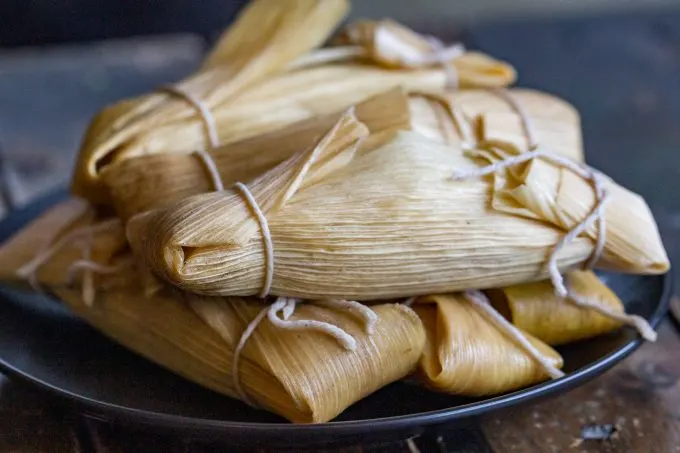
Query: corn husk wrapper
[(146, 182), (142, 183), (534, 308), (75, 232), (278, 369), (548, 193), (266, 37), (389, 44), (388, 223), (275, 103), (259, 96), (467, 354)]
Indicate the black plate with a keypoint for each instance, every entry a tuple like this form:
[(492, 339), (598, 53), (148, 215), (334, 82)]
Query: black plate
[(43, 344)]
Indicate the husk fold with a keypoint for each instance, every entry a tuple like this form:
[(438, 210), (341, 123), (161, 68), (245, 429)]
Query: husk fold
[(534, 308), (466, 354)]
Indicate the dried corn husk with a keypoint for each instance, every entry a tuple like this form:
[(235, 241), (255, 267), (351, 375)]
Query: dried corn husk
[(278, 369), (146, 182), (386, 223), (265, 39), (393, 45), (255, 100), (534, 308), (555, 123), (43, 252), (548, 193), (274, 104), (466, 354)]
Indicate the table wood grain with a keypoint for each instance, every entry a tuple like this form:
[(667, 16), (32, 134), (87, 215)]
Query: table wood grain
[(621, 72)]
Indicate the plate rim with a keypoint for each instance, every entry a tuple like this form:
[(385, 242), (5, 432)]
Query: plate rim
[(111, 412)]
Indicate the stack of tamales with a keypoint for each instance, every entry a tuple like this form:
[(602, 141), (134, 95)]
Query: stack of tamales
[(298, 226)]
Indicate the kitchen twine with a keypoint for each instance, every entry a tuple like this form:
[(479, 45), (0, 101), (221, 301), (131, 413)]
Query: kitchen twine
[(29, 271), (280, 312), (203, 111), (562, 290), (444, 56)]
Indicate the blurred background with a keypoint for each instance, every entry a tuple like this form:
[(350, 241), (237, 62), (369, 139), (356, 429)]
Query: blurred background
[(30, 22)]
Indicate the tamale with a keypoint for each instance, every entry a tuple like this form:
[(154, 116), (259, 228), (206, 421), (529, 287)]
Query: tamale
[(58, 248), (266, 37), (279, 370), (145, 182), (256, 95), (387, 223), (466, 354), (534, 308), (278, 102)]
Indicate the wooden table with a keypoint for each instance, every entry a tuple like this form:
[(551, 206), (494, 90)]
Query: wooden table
[(623, 73)]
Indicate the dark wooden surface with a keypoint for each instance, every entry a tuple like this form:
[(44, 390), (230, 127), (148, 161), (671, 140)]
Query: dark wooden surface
[(623, 73)]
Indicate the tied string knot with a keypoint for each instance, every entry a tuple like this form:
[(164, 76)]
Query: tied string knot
[(280, 315), (84, 237), (596, 215), (444, 56)]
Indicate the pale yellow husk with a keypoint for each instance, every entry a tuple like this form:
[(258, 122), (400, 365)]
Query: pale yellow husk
[(389, 222), (146, 182), (278, 369), (266, 37), (251, 86), (488, 115), (142, 183), (465, 353), (534, 308), (72, 231)]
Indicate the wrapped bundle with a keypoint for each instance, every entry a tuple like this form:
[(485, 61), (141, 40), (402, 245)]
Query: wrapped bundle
[(199, 338), (69, 243), (242, 56), (146, 182), (254, 83), (391, 222), (466, 353), (534, 308), (277, 369)]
